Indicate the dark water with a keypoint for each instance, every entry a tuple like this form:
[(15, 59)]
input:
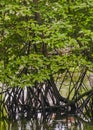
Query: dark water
[(52, 122)]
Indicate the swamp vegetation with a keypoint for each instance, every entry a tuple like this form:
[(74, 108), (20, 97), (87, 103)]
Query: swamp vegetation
[(46, 59)]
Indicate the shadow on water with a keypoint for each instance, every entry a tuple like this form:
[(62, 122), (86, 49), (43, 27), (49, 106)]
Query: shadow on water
[(52, 121)]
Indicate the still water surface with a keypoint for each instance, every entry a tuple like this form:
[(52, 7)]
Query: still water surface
[(51, 123)]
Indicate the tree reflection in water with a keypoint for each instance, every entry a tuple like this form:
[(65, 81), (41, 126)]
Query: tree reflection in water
[(49, 122)]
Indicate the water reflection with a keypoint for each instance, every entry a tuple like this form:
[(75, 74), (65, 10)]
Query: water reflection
[(50, 122)]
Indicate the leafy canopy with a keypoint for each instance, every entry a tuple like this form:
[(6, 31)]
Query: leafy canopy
[(39, 38)]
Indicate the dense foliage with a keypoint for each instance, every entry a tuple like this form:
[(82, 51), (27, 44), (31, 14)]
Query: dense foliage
[(39, 38)]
